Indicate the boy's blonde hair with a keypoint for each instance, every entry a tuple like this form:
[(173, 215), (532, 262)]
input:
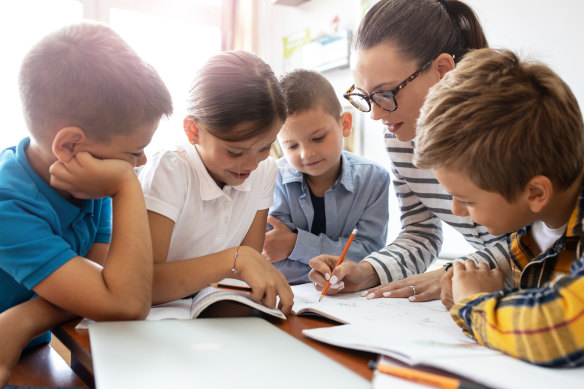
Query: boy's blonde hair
[(501, 121), (85, 75)]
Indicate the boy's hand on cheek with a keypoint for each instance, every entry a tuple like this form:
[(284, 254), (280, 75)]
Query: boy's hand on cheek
[(86, 177), (279, 242), (469, 279)]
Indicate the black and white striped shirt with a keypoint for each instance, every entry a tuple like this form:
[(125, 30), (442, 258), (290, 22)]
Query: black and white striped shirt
[(424, 205)]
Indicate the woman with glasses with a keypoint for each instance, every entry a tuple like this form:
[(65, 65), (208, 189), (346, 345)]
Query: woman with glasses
[(401, 49)]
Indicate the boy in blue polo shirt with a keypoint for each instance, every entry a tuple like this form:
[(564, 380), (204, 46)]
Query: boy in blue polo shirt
[(322, 192), (91, 106)]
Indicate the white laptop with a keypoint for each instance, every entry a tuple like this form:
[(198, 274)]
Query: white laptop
[(245, 352)]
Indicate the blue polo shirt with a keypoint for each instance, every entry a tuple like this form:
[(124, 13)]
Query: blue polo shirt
[(39, 229)]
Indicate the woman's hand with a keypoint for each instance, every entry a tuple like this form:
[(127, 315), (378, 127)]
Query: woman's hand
[(347, 277), (417, 287)]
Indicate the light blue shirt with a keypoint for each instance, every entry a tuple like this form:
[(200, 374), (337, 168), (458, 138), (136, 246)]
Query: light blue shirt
[(358, 199)]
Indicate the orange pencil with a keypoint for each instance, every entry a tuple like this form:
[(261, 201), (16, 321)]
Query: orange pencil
[(328, 283), (421, 377), (232, 287)]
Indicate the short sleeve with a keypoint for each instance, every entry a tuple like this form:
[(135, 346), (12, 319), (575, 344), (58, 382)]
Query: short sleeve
[(165, 181), (34, 250), (104, 230), (270, 173)]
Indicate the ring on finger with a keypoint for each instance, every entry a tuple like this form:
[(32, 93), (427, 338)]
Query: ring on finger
[(413, 289)]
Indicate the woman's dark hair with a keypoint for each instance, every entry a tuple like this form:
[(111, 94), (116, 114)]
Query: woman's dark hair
[(422, 29), (236, 96)]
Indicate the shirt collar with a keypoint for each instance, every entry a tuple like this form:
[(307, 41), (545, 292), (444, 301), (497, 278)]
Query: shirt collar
[(209, 189), (67, 212), (289, 174), (521, 243)]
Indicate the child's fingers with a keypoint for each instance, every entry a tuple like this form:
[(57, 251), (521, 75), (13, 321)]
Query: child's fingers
[(483, 266), (286, 298), (269, 298), (59, 170), (458, 266), (257, 293), (498, 275), (274, 222), (446, 291)]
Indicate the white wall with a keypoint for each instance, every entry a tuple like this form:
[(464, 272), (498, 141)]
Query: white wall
[(547, 31)]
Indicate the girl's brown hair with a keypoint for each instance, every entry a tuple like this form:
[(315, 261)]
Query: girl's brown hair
[(236, 96)]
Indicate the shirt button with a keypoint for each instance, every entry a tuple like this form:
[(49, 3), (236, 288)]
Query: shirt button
[(226, 204), (226, 219)]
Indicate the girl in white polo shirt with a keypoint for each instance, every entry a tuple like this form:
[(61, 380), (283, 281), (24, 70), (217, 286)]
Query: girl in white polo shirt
[(208, 200)]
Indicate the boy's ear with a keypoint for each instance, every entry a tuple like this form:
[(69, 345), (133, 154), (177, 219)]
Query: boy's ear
[(445, 63), (346, 123), (191, 128), (66, 143), (539, 192)]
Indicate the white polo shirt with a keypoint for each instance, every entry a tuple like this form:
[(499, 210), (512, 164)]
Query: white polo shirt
[(207, 219)]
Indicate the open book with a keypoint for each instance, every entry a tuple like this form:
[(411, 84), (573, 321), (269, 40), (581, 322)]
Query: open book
[(353, 308), (421, 334), (190, 308)]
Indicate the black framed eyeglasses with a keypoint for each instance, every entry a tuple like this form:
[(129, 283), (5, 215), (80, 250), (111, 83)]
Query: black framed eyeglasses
[(385, 99)]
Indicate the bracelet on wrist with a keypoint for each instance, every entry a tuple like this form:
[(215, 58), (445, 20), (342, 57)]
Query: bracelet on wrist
[(234, 269)]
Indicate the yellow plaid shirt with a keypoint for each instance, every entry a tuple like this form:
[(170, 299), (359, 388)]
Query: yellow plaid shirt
[(541, 320)]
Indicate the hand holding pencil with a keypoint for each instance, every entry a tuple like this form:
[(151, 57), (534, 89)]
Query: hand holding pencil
[(341, 258)]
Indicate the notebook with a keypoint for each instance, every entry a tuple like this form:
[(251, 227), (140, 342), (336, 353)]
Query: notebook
[(246, 352)]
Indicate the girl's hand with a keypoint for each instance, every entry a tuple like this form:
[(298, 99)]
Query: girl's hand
[(266, 282), (86, 177)]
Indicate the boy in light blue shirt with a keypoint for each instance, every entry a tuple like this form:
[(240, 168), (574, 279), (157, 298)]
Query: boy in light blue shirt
[(322, 192)]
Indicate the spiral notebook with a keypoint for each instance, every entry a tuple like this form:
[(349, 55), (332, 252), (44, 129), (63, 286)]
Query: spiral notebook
[(245, 352)]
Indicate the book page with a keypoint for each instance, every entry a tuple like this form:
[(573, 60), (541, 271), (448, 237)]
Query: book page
[(211, 295), (178, 309), (407, 341), (190, 308), (352, 308)]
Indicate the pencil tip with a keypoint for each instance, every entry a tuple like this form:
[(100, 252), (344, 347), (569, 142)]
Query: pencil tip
[(320, 298)]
